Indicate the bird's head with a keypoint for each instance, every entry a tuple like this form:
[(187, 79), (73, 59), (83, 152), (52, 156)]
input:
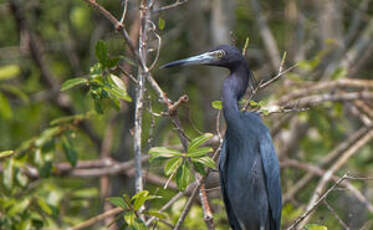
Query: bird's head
[(223, 56)]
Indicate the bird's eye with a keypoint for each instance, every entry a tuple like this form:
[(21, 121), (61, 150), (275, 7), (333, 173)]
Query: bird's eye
[(220, 53)]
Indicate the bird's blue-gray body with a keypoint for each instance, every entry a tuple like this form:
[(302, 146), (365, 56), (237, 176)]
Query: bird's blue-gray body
[(248, 166), (249, 169), (250, 204)]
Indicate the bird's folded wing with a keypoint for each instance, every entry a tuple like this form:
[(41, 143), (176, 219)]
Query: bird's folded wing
[(272, 177), (222, 162)]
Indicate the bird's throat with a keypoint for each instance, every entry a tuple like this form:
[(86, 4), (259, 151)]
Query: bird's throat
[(234, 88)]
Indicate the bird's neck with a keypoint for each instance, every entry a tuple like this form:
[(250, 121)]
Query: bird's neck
[(234, 88)]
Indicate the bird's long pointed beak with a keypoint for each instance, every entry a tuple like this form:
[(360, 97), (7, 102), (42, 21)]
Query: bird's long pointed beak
[(202, 59)]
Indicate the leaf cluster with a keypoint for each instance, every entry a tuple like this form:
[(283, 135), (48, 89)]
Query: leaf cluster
[(132, 211), (181, 165)]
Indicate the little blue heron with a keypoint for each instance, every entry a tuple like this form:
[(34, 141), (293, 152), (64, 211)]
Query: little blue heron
[(248, 166)]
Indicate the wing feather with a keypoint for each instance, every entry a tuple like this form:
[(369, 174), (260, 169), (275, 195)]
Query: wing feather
[(272, 177), (222, 163)]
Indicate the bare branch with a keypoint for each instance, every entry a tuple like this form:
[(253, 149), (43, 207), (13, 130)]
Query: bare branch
[(188, 205), (118, 26), (262, 84), (207, 213), (125, 6), (339, 163), (265, 32), (316, 204), (171, 6), (315, 170), (96, 219), (331, 209), (333, 97), (325, 85)]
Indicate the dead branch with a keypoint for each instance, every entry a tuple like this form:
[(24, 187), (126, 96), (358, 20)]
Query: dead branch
[(325, 85)]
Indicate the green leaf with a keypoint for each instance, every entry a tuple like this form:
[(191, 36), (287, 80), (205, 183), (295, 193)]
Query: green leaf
[(8, 174), (253, 103), (101, 52), (18, 207), (172, 165), (161, 23), (217, 105), (111, 62), (163, 152), (119, 93), (70, 152), (139, 199), (265, 112), (15, 91), (315, 227), (199, 152), (196, 142), (127, 200), (183, 176), (206, 161), (242, 101), (98, 106), (25, 224), (44, 206), (5, 154), (9, 71), (45, 169), (96, 70), (157, 214), (118, 82), (118, 201), (245, 46), (138, 225), (68, 119), (73, 82), (47, 135), (200, 168), (129, 218), (5, 108), (22, 179)]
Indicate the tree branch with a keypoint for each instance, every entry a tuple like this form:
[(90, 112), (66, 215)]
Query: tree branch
[(339, 163)]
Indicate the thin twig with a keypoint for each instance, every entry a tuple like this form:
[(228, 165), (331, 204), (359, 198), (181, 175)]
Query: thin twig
[(130, 76), (119, 27), (331, 209), (188, 205), (313, 100), (264, 84), (315, 170), (207, 213), (105, 182), (159, 44), (339, 163), (125, 6), (265, 32), (307, 90), (96, 219), (171, 6), (316, 204)]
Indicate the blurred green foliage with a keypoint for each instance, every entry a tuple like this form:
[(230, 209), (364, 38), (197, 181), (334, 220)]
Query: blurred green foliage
[(41, 127)]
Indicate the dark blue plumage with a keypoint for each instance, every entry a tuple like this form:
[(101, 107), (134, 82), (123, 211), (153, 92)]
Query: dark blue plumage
[(248, 166)]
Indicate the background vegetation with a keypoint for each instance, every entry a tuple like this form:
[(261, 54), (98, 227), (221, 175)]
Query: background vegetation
[(82, 105)]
